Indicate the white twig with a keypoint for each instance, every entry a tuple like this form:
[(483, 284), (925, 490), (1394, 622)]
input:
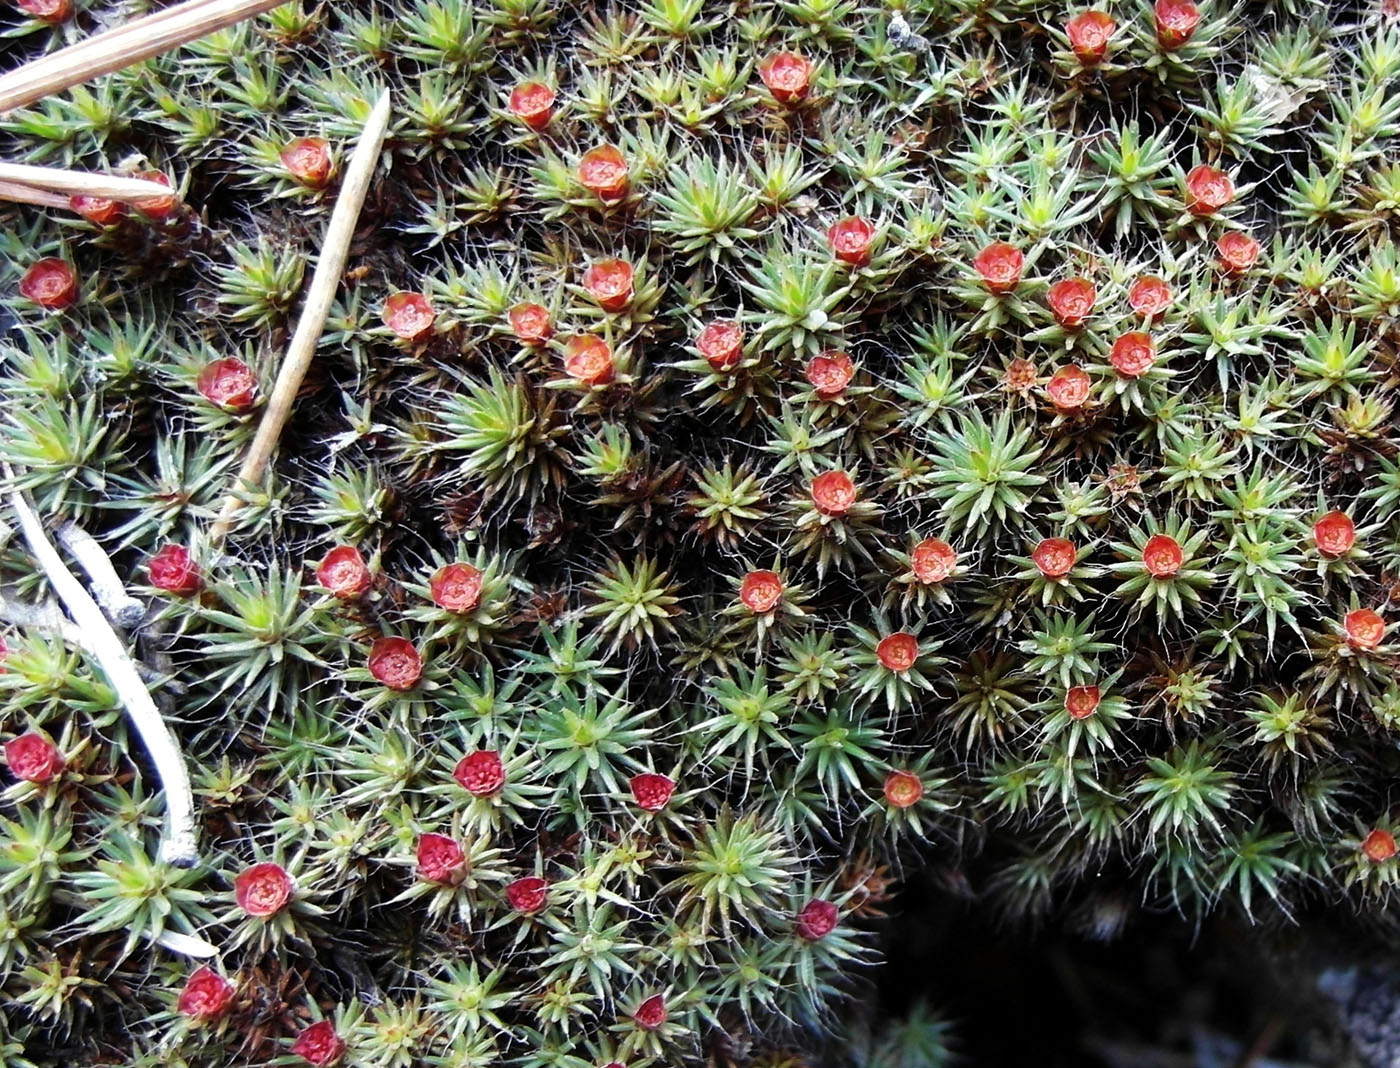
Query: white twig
[(123, 46), (120, 607), (335, 250), (179, 844)]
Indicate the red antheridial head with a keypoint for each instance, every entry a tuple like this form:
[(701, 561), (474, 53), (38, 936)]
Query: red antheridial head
[(1238, 251), (1150, 296), (761, 591), (651, 1013), (1071, 300), (1089, 33), (1133, 354), (34, 758), (409, 316), (1054, 557), (308, 160), (207, 995), (1081, 702), (652, 791), (603, 172), (609, 282), (833, 493), (1068, 387), (172, 569), (395, 663), (850, 240), (528, 895), (532, 323), (344, 572), (933, 560), (456, 587), (481, 774), (228, 384), (52, 12), (440, 859), (830, 374), (50, 283), (788, 76), (1176, 22), (722, 344), (897, 652), (97, 210), (319, 1045), (903, 789), (1364, 628), (1162, 556), (4, 652), (263, 890), (999, 266), (1379, 846), (155, 207), (1208, 190), (1335, 534), (817, 919), (589, 359), (533, 104)]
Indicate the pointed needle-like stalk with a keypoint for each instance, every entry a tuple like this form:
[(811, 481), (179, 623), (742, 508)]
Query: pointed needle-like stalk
[(324, 283), (123, 46)]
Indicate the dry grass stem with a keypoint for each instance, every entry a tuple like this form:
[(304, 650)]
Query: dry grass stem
[(123, 46), (324, 283)]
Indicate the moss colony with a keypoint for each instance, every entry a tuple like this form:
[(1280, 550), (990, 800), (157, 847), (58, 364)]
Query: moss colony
[(756, 448)]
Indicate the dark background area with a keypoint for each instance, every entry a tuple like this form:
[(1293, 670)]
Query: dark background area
[(1158, 992)]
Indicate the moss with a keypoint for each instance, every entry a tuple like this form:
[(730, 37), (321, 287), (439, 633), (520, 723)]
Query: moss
[(1196, 708)]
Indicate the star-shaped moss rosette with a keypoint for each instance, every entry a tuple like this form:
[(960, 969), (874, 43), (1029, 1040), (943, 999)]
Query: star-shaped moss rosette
[(893, 665), (1056, 571), (835, 522), (1086, 718), (463, 603), (1163, 568)]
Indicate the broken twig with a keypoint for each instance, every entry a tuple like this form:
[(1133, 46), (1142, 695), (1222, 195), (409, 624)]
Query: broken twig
[(324, 283), (18, 193), (59, 184), (122, 46)]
